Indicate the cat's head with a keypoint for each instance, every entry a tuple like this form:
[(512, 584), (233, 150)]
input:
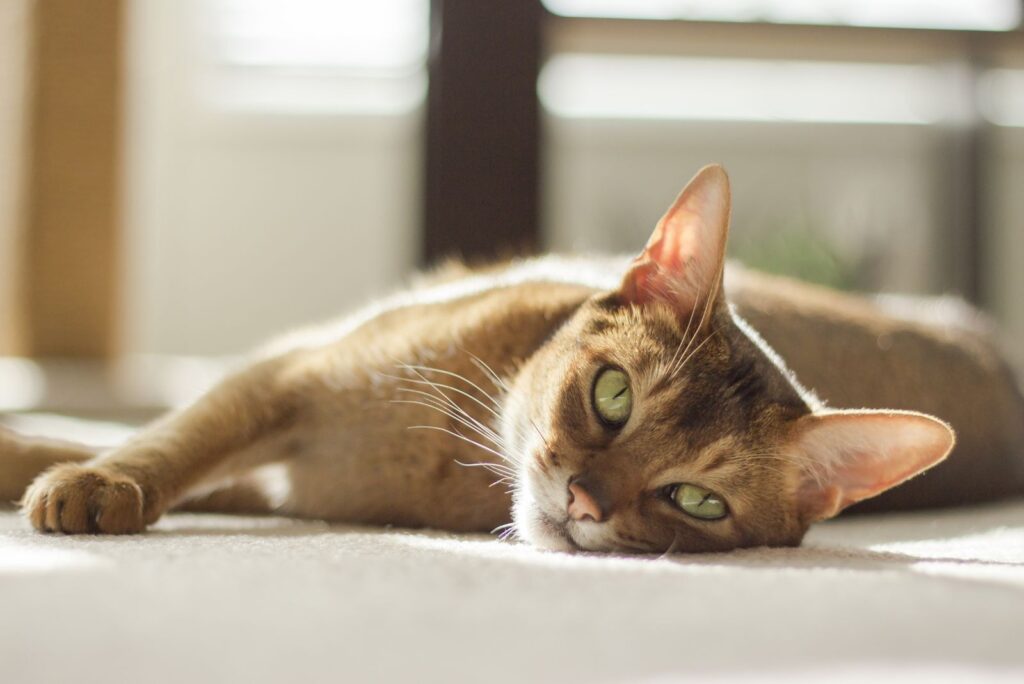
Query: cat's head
[(656, 419)]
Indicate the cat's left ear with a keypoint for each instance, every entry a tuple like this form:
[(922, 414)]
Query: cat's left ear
[(684, 259), (850, 456)]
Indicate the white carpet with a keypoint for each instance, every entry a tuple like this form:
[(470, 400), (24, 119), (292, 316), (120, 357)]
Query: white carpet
[(930, 597)]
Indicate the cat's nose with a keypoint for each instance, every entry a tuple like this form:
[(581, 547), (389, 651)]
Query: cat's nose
[(583, 505)]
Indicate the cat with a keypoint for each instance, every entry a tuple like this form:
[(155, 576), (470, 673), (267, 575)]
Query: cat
[(575, 404)]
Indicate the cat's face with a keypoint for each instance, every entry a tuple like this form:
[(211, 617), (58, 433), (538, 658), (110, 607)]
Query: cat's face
[(654, 420), (709, 422)]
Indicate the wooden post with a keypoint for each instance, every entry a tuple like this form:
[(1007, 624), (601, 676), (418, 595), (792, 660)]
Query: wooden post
[(15, 24), (72, 191)]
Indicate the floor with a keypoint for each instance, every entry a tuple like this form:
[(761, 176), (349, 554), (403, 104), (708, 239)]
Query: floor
[(927, 596)]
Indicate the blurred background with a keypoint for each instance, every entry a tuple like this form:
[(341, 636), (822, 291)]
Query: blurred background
[(181, 180)]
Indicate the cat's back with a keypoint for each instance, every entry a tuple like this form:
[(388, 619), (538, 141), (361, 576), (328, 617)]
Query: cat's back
[(934, 355), (456, 301)]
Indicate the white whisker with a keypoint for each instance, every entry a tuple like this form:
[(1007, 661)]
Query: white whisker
[(495, 379), (453, 416), (493, 467), (446, 405), (437, 387), (453, 375), (457, 435)]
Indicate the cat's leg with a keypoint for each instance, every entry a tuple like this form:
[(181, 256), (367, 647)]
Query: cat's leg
[(130, 487), (22, 458)]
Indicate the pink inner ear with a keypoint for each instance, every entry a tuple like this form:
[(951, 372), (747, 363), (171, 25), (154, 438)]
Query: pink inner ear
[(855, 455), (682, 262)]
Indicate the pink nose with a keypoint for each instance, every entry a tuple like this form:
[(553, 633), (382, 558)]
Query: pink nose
[(582, 505)]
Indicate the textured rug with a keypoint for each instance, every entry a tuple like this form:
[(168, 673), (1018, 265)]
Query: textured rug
[(927, 596)]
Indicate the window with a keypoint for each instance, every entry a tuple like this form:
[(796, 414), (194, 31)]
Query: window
[(685, 88), (977, 15), (316, 56)]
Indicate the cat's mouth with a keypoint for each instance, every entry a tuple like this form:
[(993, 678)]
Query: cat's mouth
[(560, 530)]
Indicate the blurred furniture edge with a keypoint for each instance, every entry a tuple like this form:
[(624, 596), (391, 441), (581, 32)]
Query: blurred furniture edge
[(131, 389), (60, 104)]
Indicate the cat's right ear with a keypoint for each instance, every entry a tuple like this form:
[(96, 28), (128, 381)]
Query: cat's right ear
[(684, 259), (849, 456)]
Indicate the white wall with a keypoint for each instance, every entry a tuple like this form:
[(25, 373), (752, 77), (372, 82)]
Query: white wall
[(243, 223), (863, 186), (1005, 251)]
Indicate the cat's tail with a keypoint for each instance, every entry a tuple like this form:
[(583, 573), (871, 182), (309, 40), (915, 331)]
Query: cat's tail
[(22, 458)]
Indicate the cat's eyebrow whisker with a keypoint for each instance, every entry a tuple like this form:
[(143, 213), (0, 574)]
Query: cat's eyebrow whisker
[(693, 353), (686, 335), (708, 305), (777, 456), (540, 434)]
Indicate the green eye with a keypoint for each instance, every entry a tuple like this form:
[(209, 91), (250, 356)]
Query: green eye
[(699, 502), (613, 400)]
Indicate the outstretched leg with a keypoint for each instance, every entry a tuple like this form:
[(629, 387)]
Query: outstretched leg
[(130, 487), (23, 458)]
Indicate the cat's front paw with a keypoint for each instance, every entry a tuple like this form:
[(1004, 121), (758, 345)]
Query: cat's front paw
[(76, 499)]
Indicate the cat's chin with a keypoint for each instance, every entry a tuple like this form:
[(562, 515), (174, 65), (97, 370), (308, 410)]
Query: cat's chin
[(538, 529)]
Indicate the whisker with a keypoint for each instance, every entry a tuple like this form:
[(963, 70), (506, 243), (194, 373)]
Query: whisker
[(539, 434), (446, 406), (693, 353), (457, 435), (708, 305), (495, 379), (453, 416), (687, 336), (493, 467), (456, 376), (431, 401), (672, 548), (437, 388), (686, 333)]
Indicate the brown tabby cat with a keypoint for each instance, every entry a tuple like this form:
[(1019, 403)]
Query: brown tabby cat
[(636, 412)]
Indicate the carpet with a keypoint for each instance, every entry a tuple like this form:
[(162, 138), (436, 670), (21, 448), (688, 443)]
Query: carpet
[(935, 596)]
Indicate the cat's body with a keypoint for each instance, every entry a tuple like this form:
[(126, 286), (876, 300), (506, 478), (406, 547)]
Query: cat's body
[(364, 421), (934, 355)]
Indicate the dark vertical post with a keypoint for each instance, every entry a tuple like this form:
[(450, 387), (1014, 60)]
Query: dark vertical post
[(482, 139), (965, 195)]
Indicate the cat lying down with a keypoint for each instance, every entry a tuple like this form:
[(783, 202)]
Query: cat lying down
[(574, 404)]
